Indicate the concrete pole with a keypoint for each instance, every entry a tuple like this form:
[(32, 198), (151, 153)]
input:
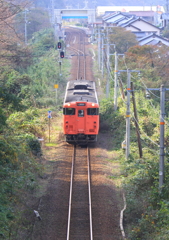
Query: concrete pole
[(128, 115), (102, 60), (162, 115), (26, 21), (53, 14), (99, 47), (115, 81), (108, 65)]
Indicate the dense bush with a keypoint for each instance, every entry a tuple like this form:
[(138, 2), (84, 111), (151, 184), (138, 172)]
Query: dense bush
[(112, 121), (147, 213), (147, 205), (18, 173), (23, 91)]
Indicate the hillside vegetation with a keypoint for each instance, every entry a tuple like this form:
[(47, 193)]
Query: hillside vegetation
[(63, 4), (147, 213), (27, 77)]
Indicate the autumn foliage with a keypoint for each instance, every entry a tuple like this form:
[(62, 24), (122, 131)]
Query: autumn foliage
[(152, 61), (10, 40)]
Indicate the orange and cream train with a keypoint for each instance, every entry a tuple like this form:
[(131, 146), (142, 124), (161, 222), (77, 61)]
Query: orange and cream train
[(81, 112)]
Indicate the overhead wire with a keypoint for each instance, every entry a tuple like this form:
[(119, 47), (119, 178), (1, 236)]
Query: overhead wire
[(134, 116), (109, 69), (145, 87), (140, 126)]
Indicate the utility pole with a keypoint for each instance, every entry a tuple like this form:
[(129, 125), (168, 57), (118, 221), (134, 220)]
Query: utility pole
[(136, 121), (102, 54), (162, 90), (122, 90), (115, 81), (101, 51), (86, 4), (167, 9), (128, 110), (162, 115), (116, 85), (99, 47), (53, 14), (26, 21), (128, 114), (108, 65)]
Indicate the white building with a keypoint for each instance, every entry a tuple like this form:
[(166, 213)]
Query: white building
[(101, 10)]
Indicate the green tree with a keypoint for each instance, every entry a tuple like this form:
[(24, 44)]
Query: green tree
[(14, 88), (165, 32), (123, 39), (37, 19), (152, 61)]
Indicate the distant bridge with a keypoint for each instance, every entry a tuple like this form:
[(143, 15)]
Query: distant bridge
[(62, 14)]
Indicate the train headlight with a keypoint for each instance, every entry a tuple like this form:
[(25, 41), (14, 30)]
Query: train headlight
[(93, 104), (68, 104)]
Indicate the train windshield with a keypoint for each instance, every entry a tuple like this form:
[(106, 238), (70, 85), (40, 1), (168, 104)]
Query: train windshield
[(92, 111), (80, 113), (69, 111)]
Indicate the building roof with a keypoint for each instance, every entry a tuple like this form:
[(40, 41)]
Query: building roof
[(113, 15), (138, 19), (165, 16), (144, 36), (120, 17), (120, 20), (153, 39), (127, 22)]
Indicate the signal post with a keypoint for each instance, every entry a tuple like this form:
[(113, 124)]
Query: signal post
[(61, 54)]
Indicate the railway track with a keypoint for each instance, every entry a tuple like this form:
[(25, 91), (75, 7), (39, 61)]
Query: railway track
[(80, 214), (72, 219), (76, 47), (79, 225)]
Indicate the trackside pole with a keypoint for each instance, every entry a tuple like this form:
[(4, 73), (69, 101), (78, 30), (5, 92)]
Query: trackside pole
[(162, 90), (56, 86), (162, 115), (49, 116), (128, 115)]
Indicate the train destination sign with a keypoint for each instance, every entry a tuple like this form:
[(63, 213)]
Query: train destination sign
[(81, 104)]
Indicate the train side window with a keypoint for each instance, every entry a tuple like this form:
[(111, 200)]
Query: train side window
[(69, 111), (80, 113), (92, 111)]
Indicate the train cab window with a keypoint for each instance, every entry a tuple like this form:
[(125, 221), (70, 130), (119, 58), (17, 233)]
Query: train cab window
[(80, 113), (92, 111), (69, 111)]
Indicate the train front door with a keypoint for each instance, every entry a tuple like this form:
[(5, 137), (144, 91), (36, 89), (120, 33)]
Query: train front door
[(81, 121)]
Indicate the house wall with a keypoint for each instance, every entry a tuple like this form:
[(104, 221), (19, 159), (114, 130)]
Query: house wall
[(146, 27), (132, 29)]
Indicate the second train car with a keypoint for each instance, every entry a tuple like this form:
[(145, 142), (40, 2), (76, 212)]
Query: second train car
[(81, 112)]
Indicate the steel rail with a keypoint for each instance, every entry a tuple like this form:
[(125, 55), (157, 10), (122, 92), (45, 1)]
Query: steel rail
[(70, 195), (79, 52), (89, 194), (90, 199)]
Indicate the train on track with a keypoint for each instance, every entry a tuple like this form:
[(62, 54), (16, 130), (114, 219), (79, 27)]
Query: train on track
[(81, 112)]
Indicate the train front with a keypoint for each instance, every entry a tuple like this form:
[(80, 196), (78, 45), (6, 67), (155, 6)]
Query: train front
[(81, 122)]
